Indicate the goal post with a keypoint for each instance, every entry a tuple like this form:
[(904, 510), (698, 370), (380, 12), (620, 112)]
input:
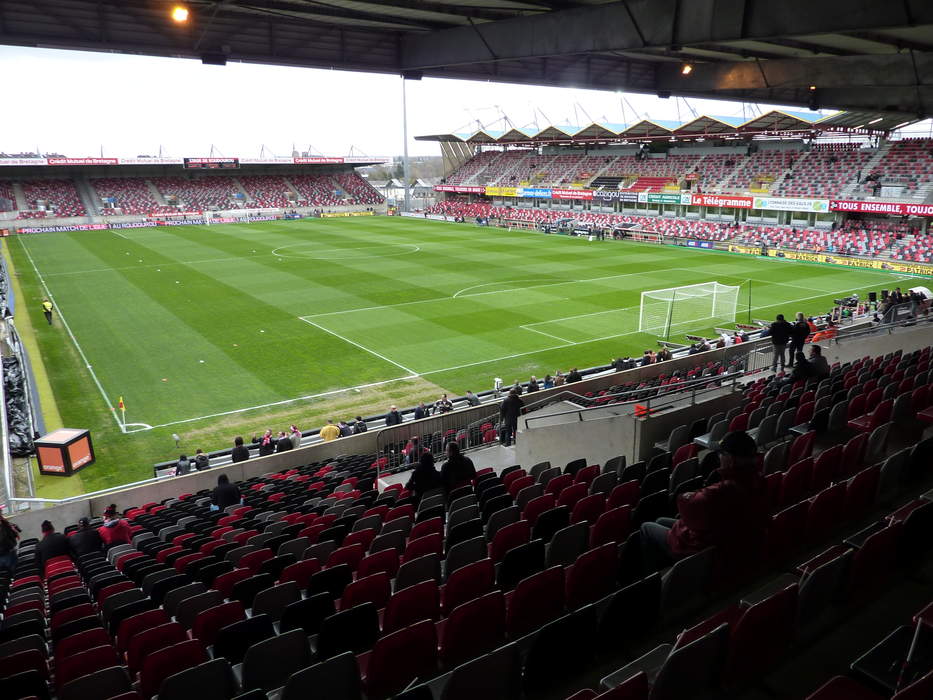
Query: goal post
[(663, 309)]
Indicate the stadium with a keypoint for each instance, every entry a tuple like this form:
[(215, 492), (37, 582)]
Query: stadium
[(648, 484)]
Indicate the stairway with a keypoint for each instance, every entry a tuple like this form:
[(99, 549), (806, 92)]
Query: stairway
[(156, 195), (239, 186), (850, 189), (19, 197), (89, 197)]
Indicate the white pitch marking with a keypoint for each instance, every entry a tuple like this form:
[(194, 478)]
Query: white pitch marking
[(549, 335), (121, 236), (412, 372)]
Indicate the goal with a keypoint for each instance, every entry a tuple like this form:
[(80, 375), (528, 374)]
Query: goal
[(663, 309)]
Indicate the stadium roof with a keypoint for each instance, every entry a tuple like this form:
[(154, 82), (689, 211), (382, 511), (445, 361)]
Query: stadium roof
[(856, 55), (775, 121)]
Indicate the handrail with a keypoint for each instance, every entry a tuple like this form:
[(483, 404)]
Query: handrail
[(7, 463), (725, 380)]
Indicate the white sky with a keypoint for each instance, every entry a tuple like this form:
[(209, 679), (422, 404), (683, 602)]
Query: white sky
[(130, 105)]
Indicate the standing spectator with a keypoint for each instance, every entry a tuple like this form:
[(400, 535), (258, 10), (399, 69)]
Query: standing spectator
[(798, 336), (533, 384), (86, 540), (9, 535), (413, 450), (509, 411), (183, 466), (730, 515), (53, 544), (330, 432), (267, 444), (240, 452), (284, 443), (421, 411), (359, 426), (225, 494), (393, 417), (573, 376), (424, 477), (472, 398), (457, 470), (201, 460), (295, 436), (443, 405), (779, 331), (115, 529)]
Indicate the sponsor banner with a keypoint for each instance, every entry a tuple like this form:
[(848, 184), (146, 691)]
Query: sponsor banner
[(270, 218), (23, 161), (539, 192), (895, 208), (334, 214), (60, 229), (208, 161), (466, 189), (151, 161), (318, 160), (571, 194), (873, 264), (193, 212), (181, 222), (411, 215), (719, 200), (131, 224), (616, 195), (501, 192), (83, 161), (706, 245), (789, 204), (668, 198)]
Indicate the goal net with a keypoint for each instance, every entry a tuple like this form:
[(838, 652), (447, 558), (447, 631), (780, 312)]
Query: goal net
[(663, 309)]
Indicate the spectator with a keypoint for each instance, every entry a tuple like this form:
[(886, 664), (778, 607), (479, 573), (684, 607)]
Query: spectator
[(421, 411), (730, 515), (359, 426), (517, 388), (802, 370), (330, 432), (798, 336), (443, 405), (267, 444), (559, 378), (533, 384), (183, 466), (115, 529), (424, 477), (664, 354), (344, 429), (295, 436), (53, 544), (779, 331), (393, 417), (548, 381), (86, 540), (225, 494), (471, 398), (573, 376), (457, 470), (413, 450), (509, 411), (819, 366), (240, 452), (647, 358), (201, 460), (284, 443), (9, 535)]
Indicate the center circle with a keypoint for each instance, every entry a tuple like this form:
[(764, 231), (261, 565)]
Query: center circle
[(313, 251)]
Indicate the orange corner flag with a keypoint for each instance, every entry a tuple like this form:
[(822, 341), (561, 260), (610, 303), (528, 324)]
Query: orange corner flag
[(121, 404)]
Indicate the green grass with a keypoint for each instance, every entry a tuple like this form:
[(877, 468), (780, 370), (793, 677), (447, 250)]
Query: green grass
[(193, 324)]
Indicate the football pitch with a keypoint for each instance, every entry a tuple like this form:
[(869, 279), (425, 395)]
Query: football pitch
[(212, 331)]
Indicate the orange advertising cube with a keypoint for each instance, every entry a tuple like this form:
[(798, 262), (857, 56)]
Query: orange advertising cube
[(65, 451)]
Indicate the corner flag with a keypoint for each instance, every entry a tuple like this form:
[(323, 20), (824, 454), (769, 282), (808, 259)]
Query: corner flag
[(121, 405)]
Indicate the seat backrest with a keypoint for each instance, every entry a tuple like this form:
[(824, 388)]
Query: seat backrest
[(273, 601), (400, 657), (268, 664), (424, 568), (761, 636), (819, 588), (213, 679), (337, 678), (473, 628), (686, 580), (566, 545), (537, 599), (410, 605), (168, 661), (692, 668)]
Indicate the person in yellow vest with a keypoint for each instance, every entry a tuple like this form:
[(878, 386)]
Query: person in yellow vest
[(330, 432), (47, 310)]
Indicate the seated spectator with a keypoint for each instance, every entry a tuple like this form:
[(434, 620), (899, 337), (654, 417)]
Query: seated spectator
[(533, 384), (53, 544), (201, 460), (457, 470), (548, 381), (559, 378), (393, 417), (413, 451), (359, 426), (443, 405), (573, 376), (283, 443), (329, 432), (225, 494), (267, 444), (183, 466), (819, 366), (115, 529), (802, 368), (664, 354), (345, 430), (517, 388), (85, 540), (424, 477), (472, 398), (240, 452), (9, 535), (730, 515)]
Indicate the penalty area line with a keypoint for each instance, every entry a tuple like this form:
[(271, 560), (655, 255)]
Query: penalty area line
[(410, 371)]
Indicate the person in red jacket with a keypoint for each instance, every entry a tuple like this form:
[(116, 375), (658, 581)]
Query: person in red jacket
[(730, 515), (115, 530)]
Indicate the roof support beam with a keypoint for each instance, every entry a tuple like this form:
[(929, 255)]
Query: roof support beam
[(637, 24)]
